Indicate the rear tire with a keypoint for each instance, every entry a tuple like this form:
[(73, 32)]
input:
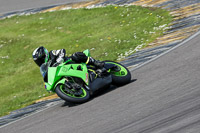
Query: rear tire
[(122, 77), (70, 98)]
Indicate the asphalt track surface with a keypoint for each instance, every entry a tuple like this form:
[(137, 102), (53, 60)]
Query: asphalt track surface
[(7, 6), (164, 97)]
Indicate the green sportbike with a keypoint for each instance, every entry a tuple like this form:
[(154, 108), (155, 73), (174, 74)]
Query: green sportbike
[(76, 82)]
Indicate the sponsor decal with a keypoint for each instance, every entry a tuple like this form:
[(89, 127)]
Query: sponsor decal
[(86, 79)]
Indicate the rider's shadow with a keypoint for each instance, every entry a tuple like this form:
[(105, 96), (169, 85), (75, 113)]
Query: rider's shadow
[(96, 94)]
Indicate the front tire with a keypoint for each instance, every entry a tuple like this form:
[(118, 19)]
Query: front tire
[(121, 77), (60, 91)]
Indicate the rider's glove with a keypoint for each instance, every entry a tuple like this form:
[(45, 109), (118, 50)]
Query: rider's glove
[(59, 60)]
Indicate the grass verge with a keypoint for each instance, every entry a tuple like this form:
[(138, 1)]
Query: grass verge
[(110, 32)]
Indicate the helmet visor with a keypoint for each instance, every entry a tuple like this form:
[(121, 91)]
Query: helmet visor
[(40, 61)]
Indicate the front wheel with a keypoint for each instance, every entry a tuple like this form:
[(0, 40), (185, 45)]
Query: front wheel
[(121, 77), (70, 97)]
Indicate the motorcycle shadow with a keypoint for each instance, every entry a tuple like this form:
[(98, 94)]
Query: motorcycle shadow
[(68, 104), (107, 90), (96, 94)]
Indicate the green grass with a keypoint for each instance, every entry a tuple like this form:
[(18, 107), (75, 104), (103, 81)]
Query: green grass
[(110, 32)]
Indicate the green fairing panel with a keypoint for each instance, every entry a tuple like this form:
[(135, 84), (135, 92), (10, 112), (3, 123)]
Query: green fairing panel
[(52, 78), (52, 74), (56, 73), (71, 70), (87, 52)]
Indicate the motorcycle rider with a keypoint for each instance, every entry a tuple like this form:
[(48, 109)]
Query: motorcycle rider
[(44, 59)]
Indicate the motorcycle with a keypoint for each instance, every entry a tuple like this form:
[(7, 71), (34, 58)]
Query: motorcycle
[(76, 82)]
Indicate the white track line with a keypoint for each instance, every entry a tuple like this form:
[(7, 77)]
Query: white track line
[(147, 62)]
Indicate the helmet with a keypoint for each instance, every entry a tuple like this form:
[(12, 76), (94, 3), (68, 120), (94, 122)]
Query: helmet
[(40, 55)]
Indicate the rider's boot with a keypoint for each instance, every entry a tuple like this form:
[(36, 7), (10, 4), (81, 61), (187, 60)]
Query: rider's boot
[(96, 63), (101, 72)]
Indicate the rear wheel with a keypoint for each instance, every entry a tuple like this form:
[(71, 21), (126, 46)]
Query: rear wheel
[(75, 96), (120, 77)]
